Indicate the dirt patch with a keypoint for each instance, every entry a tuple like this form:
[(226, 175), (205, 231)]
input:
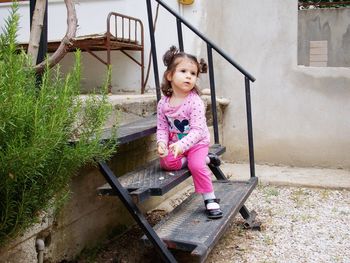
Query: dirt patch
[(125, 248)]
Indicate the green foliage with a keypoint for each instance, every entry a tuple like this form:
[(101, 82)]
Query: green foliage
[(46, 134), (323, 4)]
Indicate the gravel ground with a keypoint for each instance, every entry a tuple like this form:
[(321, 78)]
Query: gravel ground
[(298, 225)]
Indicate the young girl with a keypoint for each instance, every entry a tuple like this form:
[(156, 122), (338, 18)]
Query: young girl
[(182, 134)]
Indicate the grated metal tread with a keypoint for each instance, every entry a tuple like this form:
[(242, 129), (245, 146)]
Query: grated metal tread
[(151, 180), (134, 130), (188, 230), (154, 178)]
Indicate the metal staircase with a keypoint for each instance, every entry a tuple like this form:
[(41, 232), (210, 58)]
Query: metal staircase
[(186, 234)]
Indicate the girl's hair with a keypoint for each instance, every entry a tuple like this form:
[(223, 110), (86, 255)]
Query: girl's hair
[(171, 59)]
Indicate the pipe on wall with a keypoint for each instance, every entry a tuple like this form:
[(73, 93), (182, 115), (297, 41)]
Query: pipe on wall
[(40, 247)]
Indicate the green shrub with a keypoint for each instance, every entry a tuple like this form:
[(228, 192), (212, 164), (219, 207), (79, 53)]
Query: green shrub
[(46, 134)]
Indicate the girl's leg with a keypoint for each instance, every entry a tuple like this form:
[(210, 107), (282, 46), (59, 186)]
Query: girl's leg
[(171, 163), (197, 158)]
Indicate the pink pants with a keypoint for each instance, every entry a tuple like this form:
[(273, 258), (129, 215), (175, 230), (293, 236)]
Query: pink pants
[(196, 157)]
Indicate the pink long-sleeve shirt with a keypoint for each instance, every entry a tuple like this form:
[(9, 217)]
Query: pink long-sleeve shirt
[(185, 123)]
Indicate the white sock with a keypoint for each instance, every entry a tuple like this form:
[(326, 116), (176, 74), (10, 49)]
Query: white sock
[(207, 196), (210, 195)]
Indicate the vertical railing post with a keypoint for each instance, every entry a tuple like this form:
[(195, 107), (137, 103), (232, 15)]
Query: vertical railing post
[(250, 127), (212, 94), (108, 42), (153, 48), (179, 34)]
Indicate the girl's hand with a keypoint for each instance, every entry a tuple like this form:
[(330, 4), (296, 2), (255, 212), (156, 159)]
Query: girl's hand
[(162, 149), (176, 149)]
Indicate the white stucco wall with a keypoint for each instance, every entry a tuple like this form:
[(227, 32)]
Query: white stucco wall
[(300, 114), (92, 19)]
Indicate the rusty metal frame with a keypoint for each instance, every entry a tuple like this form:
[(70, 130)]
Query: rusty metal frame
[(122, 40), (119, 40), (110, 36)]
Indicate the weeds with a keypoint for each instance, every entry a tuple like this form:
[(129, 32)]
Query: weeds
[(298, 196), (271, 191), (46, 134)]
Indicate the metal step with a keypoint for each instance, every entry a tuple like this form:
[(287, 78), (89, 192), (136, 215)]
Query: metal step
[(133, 130), (151, 180), (187, 231)]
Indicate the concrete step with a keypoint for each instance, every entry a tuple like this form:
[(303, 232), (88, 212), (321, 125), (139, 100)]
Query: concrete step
[(291, 176)]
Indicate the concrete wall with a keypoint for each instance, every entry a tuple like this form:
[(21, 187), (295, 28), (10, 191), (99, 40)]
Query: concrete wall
[(331, 25), (300, 114), (86, 219)]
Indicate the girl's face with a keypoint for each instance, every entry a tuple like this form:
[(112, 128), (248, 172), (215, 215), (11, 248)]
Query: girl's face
[(184, 78)]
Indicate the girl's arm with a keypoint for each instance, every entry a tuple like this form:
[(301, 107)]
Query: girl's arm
[(162, 125)]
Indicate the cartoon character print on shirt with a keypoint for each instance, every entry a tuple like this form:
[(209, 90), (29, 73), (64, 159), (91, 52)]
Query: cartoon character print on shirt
[(182, 126)]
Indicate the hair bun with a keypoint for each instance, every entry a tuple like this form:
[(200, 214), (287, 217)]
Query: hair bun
[(203, 66), (169, 55)]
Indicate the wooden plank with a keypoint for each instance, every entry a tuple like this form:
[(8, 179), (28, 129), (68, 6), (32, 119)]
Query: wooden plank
[(322, 43), (318, 58), (319, 51), (93, 42), (318, 54)]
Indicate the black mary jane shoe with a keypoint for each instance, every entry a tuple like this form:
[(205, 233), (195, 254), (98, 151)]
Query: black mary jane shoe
[(214, 159), (213, 213)]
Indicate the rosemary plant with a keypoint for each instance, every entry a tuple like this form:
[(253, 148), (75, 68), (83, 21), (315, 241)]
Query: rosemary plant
[(46, 134)]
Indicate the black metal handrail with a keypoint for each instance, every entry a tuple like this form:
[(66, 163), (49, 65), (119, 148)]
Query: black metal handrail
[(210, 46), (205, 39)]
